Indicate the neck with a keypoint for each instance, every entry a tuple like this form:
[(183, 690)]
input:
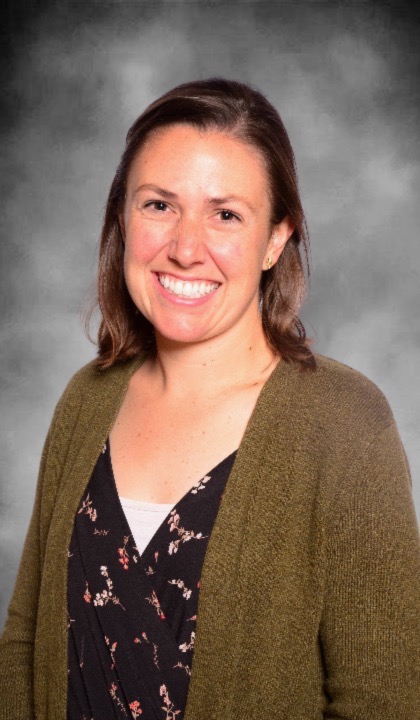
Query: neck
[(213, 366)]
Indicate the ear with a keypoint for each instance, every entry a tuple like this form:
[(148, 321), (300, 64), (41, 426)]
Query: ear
[(279, 236), (122, 225)]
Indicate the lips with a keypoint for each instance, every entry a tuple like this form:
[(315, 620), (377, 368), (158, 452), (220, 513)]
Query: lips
[(187, 288)]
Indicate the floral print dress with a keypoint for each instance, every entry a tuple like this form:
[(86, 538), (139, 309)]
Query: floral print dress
[(132, 617)]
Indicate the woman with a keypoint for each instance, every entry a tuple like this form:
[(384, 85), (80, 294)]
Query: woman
[(223, 525)]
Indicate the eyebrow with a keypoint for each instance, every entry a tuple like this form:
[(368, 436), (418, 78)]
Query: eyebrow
[(230, 198), (212, 201), (160, 191)]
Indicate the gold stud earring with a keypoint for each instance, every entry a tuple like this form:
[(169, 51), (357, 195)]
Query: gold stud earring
[(269, 262)]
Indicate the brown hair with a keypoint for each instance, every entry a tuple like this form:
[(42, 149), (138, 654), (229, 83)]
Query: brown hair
[(244, 113)]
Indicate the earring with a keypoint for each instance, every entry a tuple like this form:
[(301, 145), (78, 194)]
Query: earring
[(269, 262)]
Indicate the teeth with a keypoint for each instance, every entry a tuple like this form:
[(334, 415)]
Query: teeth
[(190, 289)]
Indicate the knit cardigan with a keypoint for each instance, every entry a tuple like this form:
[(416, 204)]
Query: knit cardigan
[(309, 604)]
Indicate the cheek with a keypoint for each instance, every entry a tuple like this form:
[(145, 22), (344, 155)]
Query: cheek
[(227, 249), (142, 246), (240, 257), (226, 254)]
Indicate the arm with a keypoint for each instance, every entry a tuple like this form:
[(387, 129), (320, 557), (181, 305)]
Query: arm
[(370, 631), (17, 641)]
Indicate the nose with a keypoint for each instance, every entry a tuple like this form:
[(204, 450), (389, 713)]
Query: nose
[(186, 247)]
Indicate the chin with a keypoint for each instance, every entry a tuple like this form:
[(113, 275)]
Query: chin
[(184, 336)]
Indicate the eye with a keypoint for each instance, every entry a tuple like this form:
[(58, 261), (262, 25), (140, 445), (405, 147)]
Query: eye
[(228, 216), (158, 205)]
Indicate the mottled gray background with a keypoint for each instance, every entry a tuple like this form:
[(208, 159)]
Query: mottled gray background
[(345, 77)]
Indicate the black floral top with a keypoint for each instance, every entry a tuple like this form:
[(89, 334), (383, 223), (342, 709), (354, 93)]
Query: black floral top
[(132, 617)]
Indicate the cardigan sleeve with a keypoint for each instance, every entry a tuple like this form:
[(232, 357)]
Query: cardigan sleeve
[(17, 642), (18, 639), (370, 630)]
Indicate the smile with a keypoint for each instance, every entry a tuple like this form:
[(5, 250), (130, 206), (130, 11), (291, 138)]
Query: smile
[(187, 288)]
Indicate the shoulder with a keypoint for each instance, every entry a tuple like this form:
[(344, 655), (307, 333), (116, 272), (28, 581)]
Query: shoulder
[(343, 389), (334, 388), (331, 407), (92, 380), (85, 411), (93, 390)]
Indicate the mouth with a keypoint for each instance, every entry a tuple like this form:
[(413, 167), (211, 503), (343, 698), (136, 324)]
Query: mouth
[(186, 288)]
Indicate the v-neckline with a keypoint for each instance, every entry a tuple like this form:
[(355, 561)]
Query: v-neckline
[(178, 504)]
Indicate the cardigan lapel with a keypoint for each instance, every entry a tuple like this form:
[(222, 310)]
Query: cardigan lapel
[(224, 571)]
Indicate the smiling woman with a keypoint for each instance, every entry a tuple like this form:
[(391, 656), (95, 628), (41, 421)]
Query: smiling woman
[(244, 153), (213, 498), (193, 261)]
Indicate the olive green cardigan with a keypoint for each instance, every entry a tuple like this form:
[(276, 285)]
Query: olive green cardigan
[(309, 604)]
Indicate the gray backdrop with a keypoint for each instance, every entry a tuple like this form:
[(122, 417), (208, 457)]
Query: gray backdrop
[(345, 79)]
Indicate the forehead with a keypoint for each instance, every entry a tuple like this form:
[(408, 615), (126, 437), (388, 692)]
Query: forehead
[(175, 149)]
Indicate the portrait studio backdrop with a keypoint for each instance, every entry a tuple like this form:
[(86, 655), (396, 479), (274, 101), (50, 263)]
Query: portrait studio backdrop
[(345, 77)]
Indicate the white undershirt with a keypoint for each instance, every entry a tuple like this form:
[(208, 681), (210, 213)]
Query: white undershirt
[(144, 519)]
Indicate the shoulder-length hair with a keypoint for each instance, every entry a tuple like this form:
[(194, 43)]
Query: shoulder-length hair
[(244, 113)]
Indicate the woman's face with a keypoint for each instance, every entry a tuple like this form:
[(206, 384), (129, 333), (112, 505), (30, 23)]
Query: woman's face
[(197, 232)]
